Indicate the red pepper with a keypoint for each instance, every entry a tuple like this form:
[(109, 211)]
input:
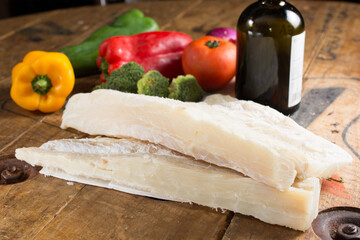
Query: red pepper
[(157, 50)]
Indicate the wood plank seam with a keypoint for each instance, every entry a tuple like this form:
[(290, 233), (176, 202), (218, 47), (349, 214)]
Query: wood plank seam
[(320, 42), (16, 113), (35, 119), (58, 212), (228, 220), (19, 136), (29, 129), (29, 24), (182, 13), (88, 32)]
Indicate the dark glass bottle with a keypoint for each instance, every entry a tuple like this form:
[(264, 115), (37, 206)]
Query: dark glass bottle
[(270, 53)]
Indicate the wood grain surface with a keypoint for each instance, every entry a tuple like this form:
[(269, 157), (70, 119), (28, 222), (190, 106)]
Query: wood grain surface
[(49, 208)]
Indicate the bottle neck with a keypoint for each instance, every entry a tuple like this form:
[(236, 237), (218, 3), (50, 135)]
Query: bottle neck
[(272, 2)]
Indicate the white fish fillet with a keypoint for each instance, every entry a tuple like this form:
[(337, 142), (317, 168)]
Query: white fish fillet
[(146, 169), (323, 158), (242, 135)]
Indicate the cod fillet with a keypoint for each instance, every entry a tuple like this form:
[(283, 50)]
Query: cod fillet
[(144, 168)]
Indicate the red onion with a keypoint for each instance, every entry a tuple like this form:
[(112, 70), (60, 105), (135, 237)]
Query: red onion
[(228, 34)]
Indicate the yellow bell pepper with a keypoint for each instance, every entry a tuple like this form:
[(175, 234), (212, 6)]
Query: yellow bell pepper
[(42, 81)]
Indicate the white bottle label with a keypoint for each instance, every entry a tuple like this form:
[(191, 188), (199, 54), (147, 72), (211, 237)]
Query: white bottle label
[(296, 68)]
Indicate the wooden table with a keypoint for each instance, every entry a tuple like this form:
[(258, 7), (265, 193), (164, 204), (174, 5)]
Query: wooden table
[(50, 208)]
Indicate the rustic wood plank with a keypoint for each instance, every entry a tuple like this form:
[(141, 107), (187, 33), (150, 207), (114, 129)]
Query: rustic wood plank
[(338, 54), (209, 15), (28, 206), (245, 227), (108, 13), (317, 17), (12, 127), (36, 135), (117, 215), (11, 25)]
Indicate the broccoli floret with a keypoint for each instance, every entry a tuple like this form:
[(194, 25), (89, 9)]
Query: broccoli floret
[(153, 84), (185, 88), (124, 79)]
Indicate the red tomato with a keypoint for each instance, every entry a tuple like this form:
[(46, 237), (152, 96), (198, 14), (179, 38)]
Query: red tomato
[(211, 60)]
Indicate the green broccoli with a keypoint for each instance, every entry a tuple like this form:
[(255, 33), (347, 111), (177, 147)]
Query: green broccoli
[(124, 79), (185, 88), (153, 84)]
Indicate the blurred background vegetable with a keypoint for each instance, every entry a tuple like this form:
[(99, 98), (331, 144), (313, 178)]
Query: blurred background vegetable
[(153, 84), (186, 89), (228, 34), (83, 56), (42, 81), (159, 50), (124, 79), (211, 60), (132, 78)]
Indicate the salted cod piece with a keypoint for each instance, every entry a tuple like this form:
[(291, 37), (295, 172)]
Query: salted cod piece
[(147, 169), (270, 148), (316, 166)]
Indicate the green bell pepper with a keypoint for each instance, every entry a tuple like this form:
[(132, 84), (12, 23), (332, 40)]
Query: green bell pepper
[(83, 56)]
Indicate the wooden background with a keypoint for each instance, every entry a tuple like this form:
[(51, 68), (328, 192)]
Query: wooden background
[(50, 208)]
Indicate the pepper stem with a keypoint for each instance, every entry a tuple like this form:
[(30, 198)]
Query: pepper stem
[(213, 44), (41, 84)]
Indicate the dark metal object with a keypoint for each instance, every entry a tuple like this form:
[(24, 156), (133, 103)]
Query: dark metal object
[(348, 231), (338, 223), (15, 171), (12, 175)]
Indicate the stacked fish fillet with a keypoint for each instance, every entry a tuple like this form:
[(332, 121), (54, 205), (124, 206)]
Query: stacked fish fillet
[(222, 153)]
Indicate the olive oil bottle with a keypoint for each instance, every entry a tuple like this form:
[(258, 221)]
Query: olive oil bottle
[(270, 55)]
